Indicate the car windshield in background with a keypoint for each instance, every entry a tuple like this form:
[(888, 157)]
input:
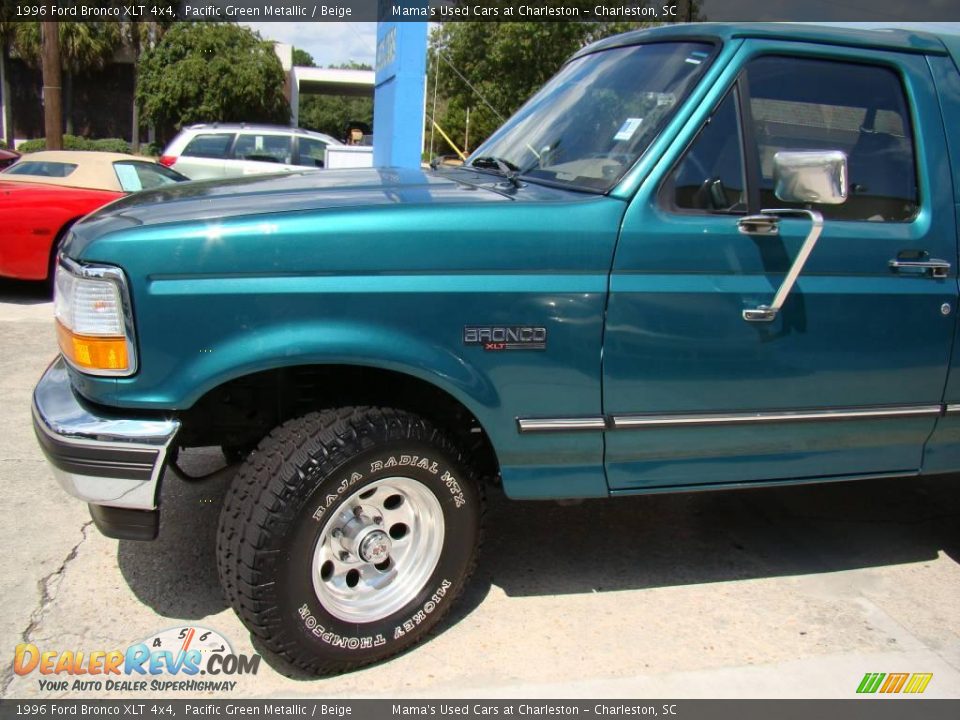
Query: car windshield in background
[(136, 176), (592, 121)]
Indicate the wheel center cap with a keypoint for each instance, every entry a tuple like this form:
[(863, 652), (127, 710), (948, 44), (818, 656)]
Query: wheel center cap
[(375, 547)]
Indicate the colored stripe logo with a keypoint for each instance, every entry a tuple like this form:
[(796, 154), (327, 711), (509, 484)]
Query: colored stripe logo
[(889, 683)]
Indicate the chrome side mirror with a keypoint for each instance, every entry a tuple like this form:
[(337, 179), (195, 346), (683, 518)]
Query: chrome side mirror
[(806, 176), (810, 176)]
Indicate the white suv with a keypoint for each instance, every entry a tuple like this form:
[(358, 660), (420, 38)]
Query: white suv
[(230, 150)]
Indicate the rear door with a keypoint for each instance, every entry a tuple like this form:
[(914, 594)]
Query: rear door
[(204, 156), (260, 152), (848, 379), (310, 152)]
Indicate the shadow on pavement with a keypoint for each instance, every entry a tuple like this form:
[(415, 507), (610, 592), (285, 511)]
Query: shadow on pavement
[(632, 543), (176, 574), (25, 292), (655, 541)]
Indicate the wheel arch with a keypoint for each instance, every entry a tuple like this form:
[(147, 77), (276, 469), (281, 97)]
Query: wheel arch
[(55, 245), (239, 411)]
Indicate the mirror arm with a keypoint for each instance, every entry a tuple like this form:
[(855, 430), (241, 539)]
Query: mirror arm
[(767, 313)]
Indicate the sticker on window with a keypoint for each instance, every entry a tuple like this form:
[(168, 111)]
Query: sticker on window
[(660, 98), (628, 128), (127, 175)]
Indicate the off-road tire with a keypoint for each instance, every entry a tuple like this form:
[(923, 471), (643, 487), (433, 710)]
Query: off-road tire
[(298, 482)]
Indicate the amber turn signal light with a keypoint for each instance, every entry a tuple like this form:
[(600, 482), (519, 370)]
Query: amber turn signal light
[(93, 353)]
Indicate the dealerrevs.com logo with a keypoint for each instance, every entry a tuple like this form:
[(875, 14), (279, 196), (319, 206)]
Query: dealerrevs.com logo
[(190, 659)]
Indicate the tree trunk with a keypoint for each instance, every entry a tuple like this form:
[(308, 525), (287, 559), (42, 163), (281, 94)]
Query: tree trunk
[(7, 118), (135, 120), (52, 114), (135, 117), (68, 101)]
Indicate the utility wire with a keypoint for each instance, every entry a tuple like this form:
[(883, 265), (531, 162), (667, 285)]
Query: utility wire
[(436, 84), (470, 85)]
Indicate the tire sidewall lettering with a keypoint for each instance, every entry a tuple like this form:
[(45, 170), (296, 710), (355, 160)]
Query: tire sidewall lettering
[(347, 642), (386, 465), (440, 475)]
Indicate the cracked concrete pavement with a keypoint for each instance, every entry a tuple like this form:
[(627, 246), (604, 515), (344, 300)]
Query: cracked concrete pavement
[(785, 592), (47, 588)]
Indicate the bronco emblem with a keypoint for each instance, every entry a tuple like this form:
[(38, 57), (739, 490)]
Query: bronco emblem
[(498, 337)]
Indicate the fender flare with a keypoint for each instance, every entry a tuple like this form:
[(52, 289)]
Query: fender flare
[(341, 343)]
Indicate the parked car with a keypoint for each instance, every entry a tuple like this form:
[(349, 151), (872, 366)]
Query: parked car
[(44, 193), (231, 150), (701, 257), (8, 157)]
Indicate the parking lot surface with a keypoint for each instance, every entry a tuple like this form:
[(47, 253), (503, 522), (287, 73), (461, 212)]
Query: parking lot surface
[(784, 592)]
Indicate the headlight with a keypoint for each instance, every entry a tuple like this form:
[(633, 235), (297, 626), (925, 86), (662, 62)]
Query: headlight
[(91, 305)]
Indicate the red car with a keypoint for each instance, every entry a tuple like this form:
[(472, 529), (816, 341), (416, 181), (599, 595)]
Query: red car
[(44, 193)]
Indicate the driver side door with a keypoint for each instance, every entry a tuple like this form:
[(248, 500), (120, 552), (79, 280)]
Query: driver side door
[(847, 380)]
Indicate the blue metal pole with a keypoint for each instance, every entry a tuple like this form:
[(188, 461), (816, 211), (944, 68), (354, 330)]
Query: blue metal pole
[(399, 92)]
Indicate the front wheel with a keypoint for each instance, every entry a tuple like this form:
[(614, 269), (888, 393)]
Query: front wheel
[(347, 535)]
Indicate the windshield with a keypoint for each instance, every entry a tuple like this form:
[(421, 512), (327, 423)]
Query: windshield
[(591, 122)]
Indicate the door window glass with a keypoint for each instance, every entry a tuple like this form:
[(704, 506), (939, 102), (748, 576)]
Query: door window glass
[(263, 148), (805, 104), (311, 152), (710, 175), (209, 146)]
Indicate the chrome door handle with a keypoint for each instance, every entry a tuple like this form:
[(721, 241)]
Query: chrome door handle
[(759, 225), (935, 267)]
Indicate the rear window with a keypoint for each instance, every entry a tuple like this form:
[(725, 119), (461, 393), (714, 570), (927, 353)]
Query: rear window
[(41, 168), (209, 146)]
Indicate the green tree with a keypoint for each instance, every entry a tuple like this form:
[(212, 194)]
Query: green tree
[(137, 37), (330, 114), (84, 46), (493, 67), (211, 72), (302, 58)]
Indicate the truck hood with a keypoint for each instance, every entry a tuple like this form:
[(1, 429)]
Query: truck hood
[(305, 191)]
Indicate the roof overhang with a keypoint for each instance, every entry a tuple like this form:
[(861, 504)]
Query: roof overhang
[(331, 81)]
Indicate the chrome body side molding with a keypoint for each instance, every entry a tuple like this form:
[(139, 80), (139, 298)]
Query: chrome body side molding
[(635, 422), (532, 425), (620, 422)]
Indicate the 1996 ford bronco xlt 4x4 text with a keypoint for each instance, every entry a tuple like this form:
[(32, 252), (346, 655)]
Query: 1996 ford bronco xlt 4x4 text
[(701, 257)]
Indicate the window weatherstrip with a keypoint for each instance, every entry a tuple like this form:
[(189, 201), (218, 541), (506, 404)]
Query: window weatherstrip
[(749, 149)]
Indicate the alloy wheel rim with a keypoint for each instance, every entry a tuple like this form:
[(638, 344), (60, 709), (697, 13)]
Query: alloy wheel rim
[(376, 553)]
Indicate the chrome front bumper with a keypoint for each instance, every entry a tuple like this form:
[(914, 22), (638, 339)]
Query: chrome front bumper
[(105, 459)]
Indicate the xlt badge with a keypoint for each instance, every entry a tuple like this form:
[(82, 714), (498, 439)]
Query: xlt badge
[(496, 338)]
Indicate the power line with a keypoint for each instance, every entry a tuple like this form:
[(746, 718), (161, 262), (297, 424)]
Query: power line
[(470, 85)]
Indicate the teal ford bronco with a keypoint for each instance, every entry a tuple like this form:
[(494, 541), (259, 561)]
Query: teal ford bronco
[(701, 257)]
